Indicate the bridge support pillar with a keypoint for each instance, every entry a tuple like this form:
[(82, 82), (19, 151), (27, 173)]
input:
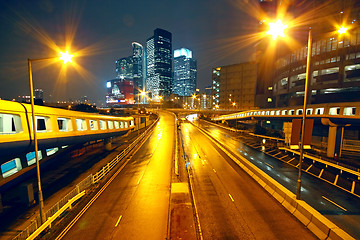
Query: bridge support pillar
[(107, 144), (335, 138)]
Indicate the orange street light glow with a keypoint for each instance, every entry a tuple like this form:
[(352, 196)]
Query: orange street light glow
[(276, 29), (342, 30), (66, 57)]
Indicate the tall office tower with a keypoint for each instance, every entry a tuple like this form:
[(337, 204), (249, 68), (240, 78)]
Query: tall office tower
[(124, 68), (184, 72), (138, 74), (159, 63)]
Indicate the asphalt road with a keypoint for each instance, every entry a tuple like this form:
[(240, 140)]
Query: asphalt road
[(340, 207), (135, 205), (231, 205)]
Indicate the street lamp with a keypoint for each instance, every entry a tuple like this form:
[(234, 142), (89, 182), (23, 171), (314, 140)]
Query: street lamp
[(277, 29), (66, 57)]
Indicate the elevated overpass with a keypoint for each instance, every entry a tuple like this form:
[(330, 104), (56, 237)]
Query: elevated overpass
[(334, 115)]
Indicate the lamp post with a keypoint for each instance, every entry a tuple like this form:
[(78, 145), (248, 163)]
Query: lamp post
[(308, 59), (66, 57), (277, 29)]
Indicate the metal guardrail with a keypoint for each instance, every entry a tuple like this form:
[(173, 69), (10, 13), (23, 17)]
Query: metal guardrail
[(52, 218), (35, 224), (351, 145)]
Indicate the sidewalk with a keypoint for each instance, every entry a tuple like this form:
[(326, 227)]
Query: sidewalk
[(59, 178)]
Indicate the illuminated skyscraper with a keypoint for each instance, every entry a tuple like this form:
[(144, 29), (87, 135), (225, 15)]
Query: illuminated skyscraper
[(124, 68), (138, 63), (159, 63), (184, 72)]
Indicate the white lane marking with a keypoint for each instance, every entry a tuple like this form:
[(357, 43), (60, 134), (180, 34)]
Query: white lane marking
[(334, 203), (269, 165), (231, 197), (117, 223)]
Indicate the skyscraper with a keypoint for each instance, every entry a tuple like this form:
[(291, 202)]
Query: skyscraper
[(184, 72), (124, 68), (138, 73), (159, 63)]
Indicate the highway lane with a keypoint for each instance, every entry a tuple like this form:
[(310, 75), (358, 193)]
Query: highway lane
[(339, 206), (135, 205), (231, 205)]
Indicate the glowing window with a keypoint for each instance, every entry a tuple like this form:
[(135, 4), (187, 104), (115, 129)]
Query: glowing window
[(10, 124), (334, 111), (81, 124), (349, 111), (93, 125), (102, 125), (64, 124)]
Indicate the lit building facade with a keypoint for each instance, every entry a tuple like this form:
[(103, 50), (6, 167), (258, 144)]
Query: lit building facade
[(124, 68), (334, 62), (138, 68), (234, 86), (184, 72), (119, 92), (159, 63)]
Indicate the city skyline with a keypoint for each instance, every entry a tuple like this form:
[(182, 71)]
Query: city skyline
[(32, 28)]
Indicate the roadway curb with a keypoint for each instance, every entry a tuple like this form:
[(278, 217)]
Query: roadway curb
[(318, 224)]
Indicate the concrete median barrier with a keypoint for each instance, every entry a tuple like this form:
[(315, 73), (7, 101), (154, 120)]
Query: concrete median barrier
[(290, 203), (320, 225), (303, 212), (338, 234)]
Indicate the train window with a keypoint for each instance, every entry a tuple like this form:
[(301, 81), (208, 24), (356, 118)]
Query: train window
[(51, 151), (42, 124), (121, 124), (64, 124), (102, 125), (349, 111), (309, 111), (291, 112), (263, 113), (299, 112), (319, 111), (272, 112), (126, 124), (10, 123), (31, 158), (116, 125), (111, 124), (93, 125), (81, 124), (131, 123), (334, 111), (283, 112), (278, 112), (10, 167)]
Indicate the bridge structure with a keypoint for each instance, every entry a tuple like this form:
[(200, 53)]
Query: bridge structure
[(56, 129), (336, 116)]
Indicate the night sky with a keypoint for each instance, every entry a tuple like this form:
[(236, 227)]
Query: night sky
[(101, 32)]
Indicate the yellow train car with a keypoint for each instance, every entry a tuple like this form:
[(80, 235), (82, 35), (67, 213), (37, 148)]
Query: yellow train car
[(55, 127)]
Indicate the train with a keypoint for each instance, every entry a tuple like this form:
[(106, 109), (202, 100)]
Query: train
[(342, 113), (54, 127)]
